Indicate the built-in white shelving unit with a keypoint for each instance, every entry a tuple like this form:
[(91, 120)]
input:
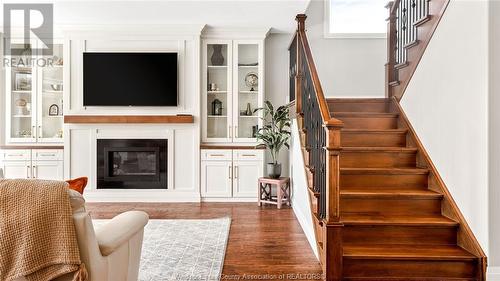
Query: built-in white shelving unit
[(34, 97), (234, 76)]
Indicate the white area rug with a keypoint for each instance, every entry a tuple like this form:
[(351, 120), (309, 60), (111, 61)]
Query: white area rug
[(182, 249)]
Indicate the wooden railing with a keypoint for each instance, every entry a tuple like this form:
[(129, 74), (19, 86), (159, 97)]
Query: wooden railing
[(410, 27), (322, 142)]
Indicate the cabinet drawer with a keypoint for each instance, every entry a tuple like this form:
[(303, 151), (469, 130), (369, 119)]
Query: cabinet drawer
[(248, 154), (16, 155), (216, 154), (47, 154)]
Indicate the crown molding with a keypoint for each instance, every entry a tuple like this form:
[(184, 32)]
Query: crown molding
[(235, 32)]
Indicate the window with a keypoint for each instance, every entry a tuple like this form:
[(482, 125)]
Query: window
[(356, 18)]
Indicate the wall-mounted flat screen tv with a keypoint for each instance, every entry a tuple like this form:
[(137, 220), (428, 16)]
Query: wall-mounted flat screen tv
[(130, 79)]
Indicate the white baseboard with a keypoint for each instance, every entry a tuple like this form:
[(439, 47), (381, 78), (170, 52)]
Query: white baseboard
[(142, 196), (493, 273)]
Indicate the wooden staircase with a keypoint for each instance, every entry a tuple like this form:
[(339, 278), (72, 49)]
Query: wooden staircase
[(380, 209), (394, 226)]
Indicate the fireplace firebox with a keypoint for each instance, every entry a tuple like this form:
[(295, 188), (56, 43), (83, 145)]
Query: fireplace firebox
[(132, 163)]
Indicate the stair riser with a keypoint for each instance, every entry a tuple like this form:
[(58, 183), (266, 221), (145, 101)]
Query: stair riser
[(377, 159), (432, 268), (383, 181), (399, 235), (358, 107), (391, 206), (374, 123), (370, 139)]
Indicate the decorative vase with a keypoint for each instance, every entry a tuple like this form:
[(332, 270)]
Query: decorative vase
[(217, 57), (249, 110), (274, 170), (216, 107)]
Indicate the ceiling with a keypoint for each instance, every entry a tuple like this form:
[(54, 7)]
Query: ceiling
[(277, 14)]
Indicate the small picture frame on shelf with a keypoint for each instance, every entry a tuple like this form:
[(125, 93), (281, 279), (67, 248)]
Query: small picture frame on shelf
[(22, 81), (54, 110)]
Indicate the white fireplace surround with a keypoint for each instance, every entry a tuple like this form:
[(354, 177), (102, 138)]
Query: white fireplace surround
[(81, 142), (183, 139)]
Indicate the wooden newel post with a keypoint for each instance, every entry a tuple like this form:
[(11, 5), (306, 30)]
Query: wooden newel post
[(301, 22), (391, 50), (333, 228)]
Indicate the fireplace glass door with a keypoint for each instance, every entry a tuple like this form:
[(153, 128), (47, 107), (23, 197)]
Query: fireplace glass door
[(132, 164)]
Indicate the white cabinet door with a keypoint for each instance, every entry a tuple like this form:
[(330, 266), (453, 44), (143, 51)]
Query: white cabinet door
[(16, 169), (216, 178), (48, 170), (246, 174)]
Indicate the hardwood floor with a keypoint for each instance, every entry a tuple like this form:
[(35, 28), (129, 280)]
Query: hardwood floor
[(264, 243)]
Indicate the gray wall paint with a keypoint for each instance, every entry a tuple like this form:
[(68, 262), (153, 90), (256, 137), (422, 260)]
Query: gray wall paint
[(277, 78), (346, 67)]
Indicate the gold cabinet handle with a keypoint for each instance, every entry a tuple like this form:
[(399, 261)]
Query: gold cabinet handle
[(235, 172), (217, 155), (28, 172), (230, 169)]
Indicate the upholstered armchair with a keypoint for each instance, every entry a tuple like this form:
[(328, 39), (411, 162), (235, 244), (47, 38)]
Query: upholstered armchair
[(113, 252)]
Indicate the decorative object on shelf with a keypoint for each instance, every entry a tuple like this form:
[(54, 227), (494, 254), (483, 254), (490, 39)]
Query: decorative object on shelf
[(25, 134), (54, 110), (22, 81), (57, 61), (21, 105), (59, 134), (249, 110), (252, 80), (255, 129), (217, 57), (212, 87), (56, 87), (249, 64), (216, 107), (274, 134)]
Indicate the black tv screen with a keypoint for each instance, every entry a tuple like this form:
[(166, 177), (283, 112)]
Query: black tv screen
[(130, 79)]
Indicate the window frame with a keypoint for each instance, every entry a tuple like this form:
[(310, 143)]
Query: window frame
[(333, 35)]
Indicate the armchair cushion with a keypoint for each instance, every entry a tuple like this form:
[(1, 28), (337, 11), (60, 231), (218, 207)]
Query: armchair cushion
[(119, 230)]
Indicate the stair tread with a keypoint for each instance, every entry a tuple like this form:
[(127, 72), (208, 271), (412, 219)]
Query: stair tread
[(364, 114), (406, 252), (413, 220), (358, 100), (395, 171), (388, 278), (380, 149), (375, 130), (423, 193)]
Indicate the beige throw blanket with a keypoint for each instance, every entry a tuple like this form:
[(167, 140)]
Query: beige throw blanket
[(37, 233)]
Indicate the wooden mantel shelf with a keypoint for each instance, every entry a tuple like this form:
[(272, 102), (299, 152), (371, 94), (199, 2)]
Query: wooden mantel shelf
[(128, 119)]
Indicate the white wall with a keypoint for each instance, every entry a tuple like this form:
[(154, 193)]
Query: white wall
[(300, 196), (494, 153), (447, 103), (346, 67)]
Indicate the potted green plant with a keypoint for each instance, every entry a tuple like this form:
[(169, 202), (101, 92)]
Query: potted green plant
[(274, 134)]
